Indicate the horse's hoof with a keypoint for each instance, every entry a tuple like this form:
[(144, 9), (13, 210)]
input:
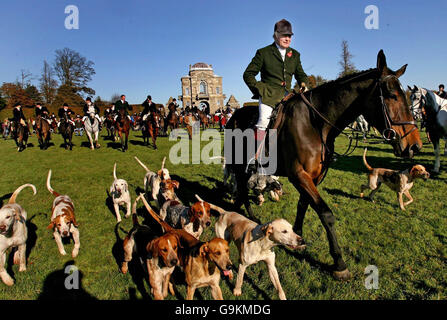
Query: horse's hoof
[(344, 275)]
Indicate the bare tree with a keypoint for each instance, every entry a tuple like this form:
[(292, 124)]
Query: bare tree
[(347, 66), (74, 70), (115, 97), (48, 85), (25, 78)]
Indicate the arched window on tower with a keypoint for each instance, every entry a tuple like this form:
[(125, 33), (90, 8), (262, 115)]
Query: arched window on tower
[(203, 87)]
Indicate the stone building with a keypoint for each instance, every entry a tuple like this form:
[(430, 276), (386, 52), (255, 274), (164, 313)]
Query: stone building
[(232, 103), (201, 88)]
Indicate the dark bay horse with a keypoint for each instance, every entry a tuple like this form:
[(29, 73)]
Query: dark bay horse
[(123, 127), (110, 126), (20, 135), (151, 128), (66, 129), (172, 120), (43, 132), (204, 121), (307, 133)]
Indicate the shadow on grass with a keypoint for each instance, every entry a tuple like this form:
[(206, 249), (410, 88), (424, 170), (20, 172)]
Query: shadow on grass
[(114, 145), (66, 146), (188, 190), (137, 143), (6, 196), (135, 267), (336, 192), (54, 286)]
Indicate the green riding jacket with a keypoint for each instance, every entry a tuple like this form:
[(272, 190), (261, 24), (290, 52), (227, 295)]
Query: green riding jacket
[(276, 74)]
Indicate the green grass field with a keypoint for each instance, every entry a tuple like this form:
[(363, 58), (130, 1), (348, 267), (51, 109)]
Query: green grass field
[(408, 248)]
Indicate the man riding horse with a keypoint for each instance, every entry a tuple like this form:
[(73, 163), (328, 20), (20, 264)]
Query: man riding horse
[(122, 107), (149, 107), (91, 109), (42, 111), (18, 117), (20, 131), (64, 114), (122, 120), (277, 63)]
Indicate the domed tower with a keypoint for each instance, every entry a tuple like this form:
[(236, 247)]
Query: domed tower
[(201, 88)]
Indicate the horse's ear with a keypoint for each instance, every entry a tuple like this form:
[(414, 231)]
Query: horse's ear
[(381, 61), (401, 71), (409, 88), (415, 88)]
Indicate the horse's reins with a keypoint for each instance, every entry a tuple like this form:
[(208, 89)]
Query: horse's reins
[(390, 122)]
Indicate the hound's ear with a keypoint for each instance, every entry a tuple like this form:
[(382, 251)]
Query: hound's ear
[(160, 173), (401, 71), (152, 248), (204, 249), (125, 188), (179, 243), (175, 183), (412, 171), (73, 221), (267, 229), (51, 225)]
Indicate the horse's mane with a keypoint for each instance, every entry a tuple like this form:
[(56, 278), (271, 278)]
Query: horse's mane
[(346, 78)]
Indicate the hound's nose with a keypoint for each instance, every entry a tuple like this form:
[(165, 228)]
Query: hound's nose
[(208, 223), (2, 228), (65, 233), (229, 266), (174, 262)]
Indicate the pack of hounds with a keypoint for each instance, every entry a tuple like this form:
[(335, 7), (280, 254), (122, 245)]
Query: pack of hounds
[(176, 243)]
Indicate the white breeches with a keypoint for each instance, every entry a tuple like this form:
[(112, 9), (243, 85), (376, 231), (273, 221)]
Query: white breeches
[(264, 115)]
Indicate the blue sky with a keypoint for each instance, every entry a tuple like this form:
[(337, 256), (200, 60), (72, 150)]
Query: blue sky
[(145, 47)]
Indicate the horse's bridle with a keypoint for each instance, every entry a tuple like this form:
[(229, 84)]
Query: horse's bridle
[(389, 134)]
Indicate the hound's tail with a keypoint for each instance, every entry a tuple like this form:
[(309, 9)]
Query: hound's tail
[(366, 163), (54, 193), (216, 208), (134, 213), (163, 163), (114, 171), (16, 193), (154, 215), (142, 164), (220, 157)]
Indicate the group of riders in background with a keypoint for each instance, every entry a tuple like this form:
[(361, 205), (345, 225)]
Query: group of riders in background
[(155, 120)]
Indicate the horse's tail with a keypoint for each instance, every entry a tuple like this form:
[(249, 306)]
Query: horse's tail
[(142, 164), (366, 163), (163, 163), (220, 157), (16, 193), (114, 171), (54, 193)]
